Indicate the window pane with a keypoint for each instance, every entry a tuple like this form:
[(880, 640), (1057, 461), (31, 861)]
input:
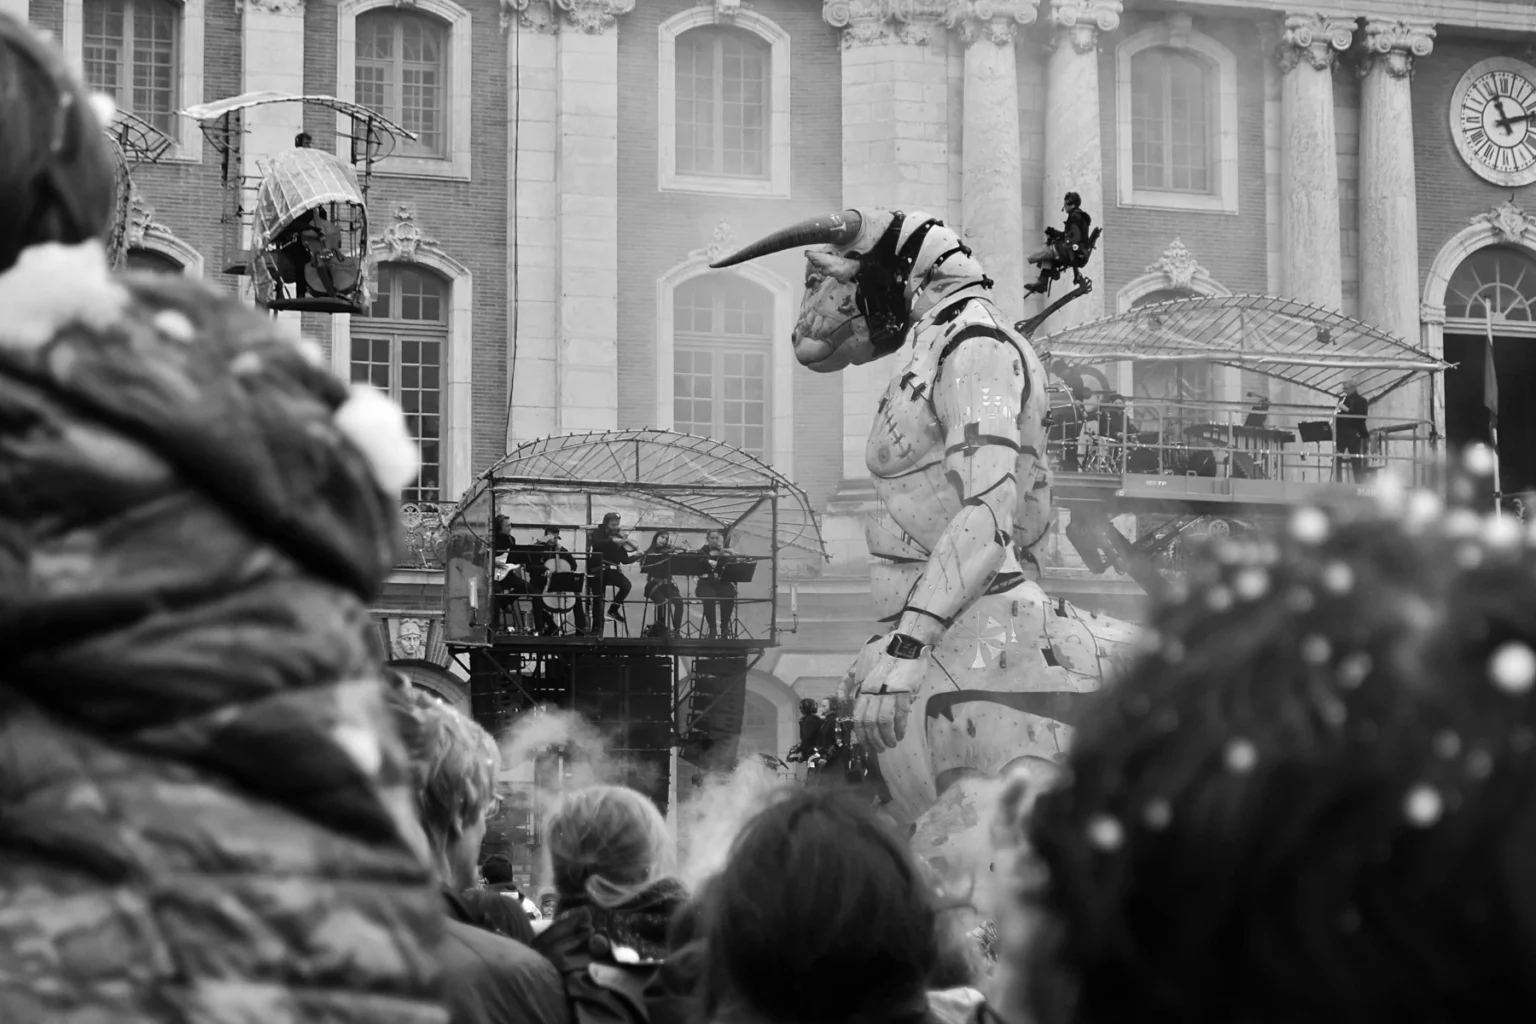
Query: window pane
[(1498, 282), (154, 62), (722, 103), (104, 46), (1171, 127), (402, 71)]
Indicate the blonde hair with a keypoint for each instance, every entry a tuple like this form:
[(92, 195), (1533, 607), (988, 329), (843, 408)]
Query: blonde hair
[(606, 843), (454, 763)]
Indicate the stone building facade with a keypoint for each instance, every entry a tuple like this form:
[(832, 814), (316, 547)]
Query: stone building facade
[(543, 247)]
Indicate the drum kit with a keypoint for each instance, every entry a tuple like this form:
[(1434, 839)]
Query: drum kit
[(1090, 435)]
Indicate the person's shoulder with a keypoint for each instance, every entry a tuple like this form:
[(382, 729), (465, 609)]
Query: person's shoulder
[(493, 978)]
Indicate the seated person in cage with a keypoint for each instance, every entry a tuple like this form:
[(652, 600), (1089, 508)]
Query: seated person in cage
[(719, 595), (660, 590), (309, 256), (549, 557), (1066, 249)]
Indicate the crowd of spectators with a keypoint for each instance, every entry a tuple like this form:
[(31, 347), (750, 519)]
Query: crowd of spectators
[(1310, 799)]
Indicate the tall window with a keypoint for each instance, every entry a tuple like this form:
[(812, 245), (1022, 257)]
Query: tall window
[(402, 72), (131, 54), (1497, 283), (399, 348), (1169, 395), (1172, 117), (722, 334), (722, 104)]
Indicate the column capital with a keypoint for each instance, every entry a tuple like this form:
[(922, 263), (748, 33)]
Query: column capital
[(1080, 21), (270, 6), (591, 16), (1395, 42), (1315, 38), (996, 21), (868, 22)]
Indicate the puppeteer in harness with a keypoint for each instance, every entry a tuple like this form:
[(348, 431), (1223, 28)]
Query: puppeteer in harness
[(1067, 249)]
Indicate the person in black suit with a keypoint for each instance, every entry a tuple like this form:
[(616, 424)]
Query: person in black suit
[(718, 594), (1350, 433), (656, 563)]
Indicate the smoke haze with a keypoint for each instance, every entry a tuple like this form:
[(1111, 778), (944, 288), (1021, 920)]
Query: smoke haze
[(715, 813)]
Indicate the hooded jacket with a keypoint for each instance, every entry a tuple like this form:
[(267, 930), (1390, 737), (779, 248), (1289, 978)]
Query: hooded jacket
[(204, 811)]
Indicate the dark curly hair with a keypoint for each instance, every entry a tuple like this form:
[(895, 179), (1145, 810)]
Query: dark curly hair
[(1312, 799), (820, 916)]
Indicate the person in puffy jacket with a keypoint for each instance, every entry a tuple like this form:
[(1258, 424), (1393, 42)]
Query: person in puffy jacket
[(205, 814)]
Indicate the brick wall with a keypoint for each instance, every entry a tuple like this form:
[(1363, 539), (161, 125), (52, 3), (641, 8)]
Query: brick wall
[(468, 219), (1450, 194), (658, 229), (1231, 247)]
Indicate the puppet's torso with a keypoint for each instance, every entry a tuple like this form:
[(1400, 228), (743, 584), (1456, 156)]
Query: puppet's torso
[(906, 448)]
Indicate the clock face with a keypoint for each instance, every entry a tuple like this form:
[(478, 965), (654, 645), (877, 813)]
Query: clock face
[(1491, 120)]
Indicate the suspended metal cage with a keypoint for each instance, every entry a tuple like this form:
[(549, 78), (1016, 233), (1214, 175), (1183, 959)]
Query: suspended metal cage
[(310, 235)]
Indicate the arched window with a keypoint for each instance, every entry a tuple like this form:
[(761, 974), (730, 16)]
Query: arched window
[(402, 72), (759, 727), (132, 52), (721, 366), (722, 103), (1167, 394), (1173, 120), (400, 348), (149, 261), (1497, 283)]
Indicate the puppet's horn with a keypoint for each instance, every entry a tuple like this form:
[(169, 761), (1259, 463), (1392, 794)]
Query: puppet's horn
[(834, 229)]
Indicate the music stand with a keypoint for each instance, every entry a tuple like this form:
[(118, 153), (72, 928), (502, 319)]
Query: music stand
[(738, 572), (566, 583), (689, 565)]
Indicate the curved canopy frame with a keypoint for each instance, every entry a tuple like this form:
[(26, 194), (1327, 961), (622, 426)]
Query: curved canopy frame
[(297, 181), (139, 141), (1292, 341), (369, 126), (656, 479)]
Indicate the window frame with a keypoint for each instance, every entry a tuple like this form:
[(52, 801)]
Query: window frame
[(191, 30), (1177, 33), (720, 345), (1475, 325), (415, 150), (400, 331), (1209, 87), (781, 365), (455, 161), (717, 39), (777, 180)]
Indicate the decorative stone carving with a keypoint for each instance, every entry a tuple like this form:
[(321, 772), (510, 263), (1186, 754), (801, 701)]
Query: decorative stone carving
[(594, 16), (271, 6), (1079, 22), (867, 22), (141, 218), (1179, 266), (403, 238), (996, 21), (723, 243), (1395, 42), (426, 534), (410, 642), (726, 10), (1510, 222), (531, 15), (1314, 38)]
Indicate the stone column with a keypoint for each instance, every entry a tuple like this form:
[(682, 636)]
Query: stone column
[(895, 150), (1389, 225), (992, 203), (1074, 152), (272, 49), (1309, 164), (533, 214), (587, 88)]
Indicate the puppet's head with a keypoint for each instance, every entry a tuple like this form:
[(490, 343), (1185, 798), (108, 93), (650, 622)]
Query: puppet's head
[(879, 271)]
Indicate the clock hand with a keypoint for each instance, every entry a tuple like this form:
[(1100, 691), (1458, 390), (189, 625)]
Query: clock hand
[(1508, 122)]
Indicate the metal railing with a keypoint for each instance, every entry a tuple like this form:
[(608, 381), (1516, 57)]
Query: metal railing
[(1230, 440)]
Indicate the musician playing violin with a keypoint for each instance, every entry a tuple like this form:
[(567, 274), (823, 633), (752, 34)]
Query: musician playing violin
[(656, 563), (611, 549), (717, 593)]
